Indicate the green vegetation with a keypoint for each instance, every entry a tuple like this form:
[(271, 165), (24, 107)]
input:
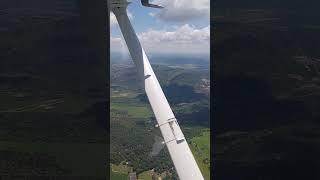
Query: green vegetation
[(147, 175), (119, 172), (200, 147), (121, 168), (132, 122), (117, 176), (133, 110)]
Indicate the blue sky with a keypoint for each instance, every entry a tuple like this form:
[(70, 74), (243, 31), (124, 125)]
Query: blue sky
[(181, 27)]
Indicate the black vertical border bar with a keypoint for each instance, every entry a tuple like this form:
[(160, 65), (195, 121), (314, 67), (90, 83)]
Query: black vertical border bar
[(97, 17), (95, 20), (299, 158), (108, 89), (212, 107)]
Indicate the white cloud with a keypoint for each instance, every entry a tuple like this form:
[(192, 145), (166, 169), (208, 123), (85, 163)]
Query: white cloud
[(113, 20), (182, 40), (117, 44), (116, 41), (152, 14), (183, 10)]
